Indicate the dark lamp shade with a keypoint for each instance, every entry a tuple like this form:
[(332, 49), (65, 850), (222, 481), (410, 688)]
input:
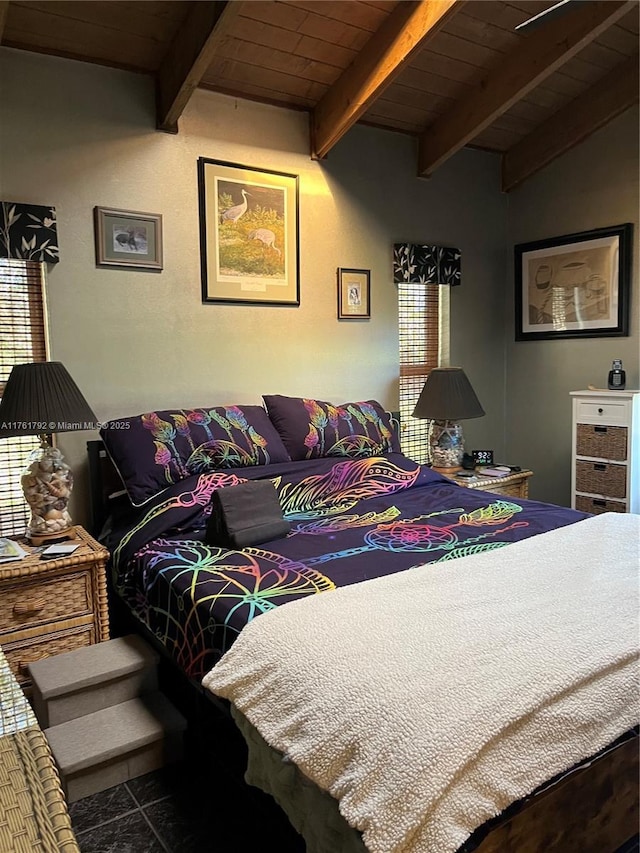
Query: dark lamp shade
[(447, 395), (40, 397)]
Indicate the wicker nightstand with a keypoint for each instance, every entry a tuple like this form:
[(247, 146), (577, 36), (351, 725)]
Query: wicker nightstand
[(515, 485), (52, 606)]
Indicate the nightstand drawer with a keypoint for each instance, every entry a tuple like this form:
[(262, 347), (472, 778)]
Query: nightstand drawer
[(513, 490), (599, 478), (602, 411), (45, 600), (24, 652), (602, 442)]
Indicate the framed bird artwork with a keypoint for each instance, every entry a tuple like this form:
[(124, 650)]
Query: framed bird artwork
[(248, 234)]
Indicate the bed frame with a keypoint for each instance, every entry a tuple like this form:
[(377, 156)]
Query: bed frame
[(594, 808)]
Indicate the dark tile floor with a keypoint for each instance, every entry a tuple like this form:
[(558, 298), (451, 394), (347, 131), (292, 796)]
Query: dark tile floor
[(174, 810)]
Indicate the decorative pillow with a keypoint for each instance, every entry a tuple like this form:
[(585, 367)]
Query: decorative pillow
[(313, 428), (154, 450)]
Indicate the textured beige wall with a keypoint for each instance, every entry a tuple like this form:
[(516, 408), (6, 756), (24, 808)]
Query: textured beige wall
[(593, 186), (76, 136)]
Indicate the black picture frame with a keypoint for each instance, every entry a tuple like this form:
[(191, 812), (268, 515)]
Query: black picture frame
[(574, 286), (354, 294), (249, 234)]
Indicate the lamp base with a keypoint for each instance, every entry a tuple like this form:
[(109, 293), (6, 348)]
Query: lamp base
[(47, 483), (446, 471), (36, 539), (447, 446)]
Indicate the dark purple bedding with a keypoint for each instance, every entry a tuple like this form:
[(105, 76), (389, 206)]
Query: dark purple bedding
[(351, 520)]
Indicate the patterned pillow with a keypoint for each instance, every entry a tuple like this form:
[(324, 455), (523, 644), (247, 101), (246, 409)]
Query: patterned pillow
[(313, 428), (153, 450)]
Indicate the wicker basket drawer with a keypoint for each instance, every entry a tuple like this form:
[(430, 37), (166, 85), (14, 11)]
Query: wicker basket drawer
[(603, 442), (24, 603), (598, 505), (24, 652), (599, 478)]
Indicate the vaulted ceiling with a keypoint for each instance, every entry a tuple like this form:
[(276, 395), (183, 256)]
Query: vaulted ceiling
[(450, 72)]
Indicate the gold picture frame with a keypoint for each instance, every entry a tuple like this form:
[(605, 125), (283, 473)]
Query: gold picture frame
[(248, 234), (128, 238), (354, 294)]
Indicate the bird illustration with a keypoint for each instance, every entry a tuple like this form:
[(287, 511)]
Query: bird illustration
[(265, 236), (234, 213)]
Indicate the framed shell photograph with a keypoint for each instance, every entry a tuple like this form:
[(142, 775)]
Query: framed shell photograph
[(575, 286), (128, 238)]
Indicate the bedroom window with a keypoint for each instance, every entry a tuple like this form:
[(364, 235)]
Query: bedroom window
[(423, 321), (22, 339)]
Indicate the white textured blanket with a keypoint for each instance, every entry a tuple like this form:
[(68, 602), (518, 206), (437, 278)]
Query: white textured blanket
[(427, 701)]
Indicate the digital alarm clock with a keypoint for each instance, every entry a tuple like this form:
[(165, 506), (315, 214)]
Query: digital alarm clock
[(482, 457)]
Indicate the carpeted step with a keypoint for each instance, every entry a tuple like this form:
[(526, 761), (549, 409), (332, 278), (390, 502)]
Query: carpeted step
[(91, 678), (107, 747)]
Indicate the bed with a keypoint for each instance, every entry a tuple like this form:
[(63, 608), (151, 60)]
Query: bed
[(425, 584)]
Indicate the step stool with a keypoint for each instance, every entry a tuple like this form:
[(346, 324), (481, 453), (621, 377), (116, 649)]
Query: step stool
[(105, 748), (88, 679), (103, 716)]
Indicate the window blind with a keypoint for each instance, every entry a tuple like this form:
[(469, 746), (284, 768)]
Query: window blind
[(22, 339), (419, 332)]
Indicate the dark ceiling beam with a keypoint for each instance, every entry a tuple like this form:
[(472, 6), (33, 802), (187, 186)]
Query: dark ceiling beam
[(539, 55), (386, 53), (189, 56), (4, 7), (613, 95)]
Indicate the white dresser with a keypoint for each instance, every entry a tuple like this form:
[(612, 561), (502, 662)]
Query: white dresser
[(605, 475)]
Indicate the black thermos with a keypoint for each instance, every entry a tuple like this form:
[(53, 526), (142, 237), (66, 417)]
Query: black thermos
[(617, 376)]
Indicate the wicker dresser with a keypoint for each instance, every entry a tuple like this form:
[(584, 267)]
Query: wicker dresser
[(52, 606), (605, 474), (515, 485), (33, 812)]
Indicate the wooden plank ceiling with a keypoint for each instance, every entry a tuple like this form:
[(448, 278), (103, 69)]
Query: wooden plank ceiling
[(450, 72)]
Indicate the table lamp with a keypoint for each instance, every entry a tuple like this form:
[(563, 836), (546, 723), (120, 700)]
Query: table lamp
[(446, 399), (41, 398)]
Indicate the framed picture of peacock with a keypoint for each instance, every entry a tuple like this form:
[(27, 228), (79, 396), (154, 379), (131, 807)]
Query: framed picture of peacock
[(128, 238), (248, 234)]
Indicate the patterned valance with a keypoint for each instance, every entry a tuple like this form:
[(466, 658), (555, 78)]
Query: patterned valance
[(425, 264), (28, 232)]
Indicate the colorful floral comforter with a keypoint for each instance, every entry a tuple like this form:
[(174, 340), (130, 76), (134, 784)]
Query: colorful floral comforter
[(351, 520)]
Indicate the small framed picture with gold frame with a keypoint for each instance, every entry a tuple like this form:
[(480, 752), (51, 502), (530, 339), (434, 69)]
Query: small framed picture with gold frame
[(354, 294)]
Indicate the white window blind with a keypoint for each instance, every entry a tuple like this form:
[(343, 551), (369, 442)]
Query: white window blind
[(419, 322), (22, 339)]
